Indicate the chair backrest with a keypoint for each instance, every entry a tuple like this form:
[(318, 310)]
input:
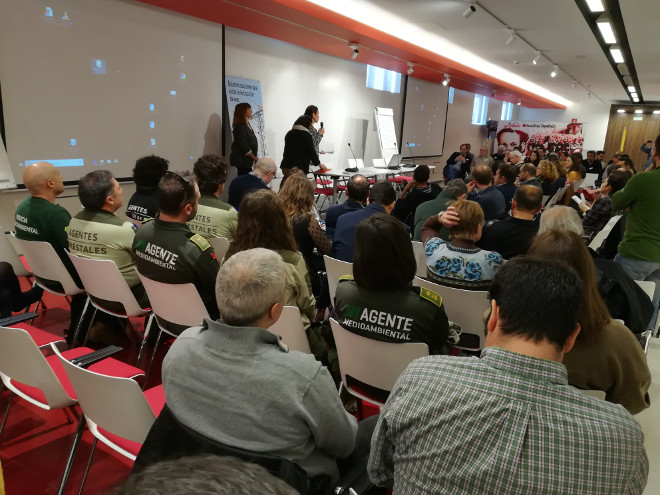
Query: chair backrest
[(602, 234), (647, 286), (176, 303), (373, 362), (420, 258), (557, 196), (22, 361), (464, 307), (290, 327), (9, 254), (335, 269), (102, 279), (220, 246), (115, 404), (45, 263)]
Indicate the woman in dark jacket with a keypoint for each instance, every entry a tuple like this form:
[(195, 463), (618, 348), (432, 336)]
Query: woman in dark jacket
[(299, 148), (244, 147)]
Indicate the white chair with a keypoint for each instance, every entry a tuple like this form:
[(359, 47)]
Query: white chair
[(41, 380), (464, 307), (178, 304), (557, 196), (290, 327), (103, 281), (649, 289), (220, 246), (372, 362), (46, 264), (420, 258), (335, 268), (9, 254), (117, 411), (602, 234)]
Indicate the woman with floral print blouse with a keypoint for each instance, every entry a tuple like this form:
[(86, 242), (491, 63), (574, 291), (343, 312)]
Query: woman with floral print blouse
[(460, 262)]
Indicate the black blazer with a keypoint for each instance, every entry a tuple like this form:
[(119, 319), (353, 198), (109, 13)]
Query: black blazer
[(299, 150), (244, 142)]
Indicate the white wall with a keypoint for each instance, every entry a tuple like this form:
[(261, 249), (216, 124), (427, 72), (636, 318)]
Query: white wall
[(593, 115)]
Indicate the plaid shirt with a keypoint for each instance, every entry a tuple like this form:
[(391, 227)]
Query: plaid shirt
[(597, 217), (504, 423)]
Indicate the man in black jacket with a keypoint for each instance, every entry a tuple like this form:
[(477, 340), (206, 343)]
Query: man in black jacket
[(357, 191), (459, 163)]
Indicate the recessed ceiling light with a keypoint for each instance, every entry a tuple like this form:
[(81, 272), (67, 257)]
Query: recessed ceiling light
[(639, 111), (606, 30), (595, 5), (633, 94), (656, 112), (631, 89), (635, 99), (620, 110), (616, 54)]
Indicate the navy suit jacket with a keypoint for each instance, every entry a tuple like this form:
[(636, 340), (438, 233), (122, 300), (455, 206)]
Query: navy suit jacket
[(491, 201), (335, 211), (244, 184), (344, 242), (507, 190)]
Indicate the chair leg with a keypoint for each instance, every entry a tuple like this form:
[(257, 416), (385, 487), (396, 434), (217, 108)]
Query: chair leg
[(91, 322), (4, 419), (147, 328), (72, 455), (151, 361), (77, 330), (89, 463)]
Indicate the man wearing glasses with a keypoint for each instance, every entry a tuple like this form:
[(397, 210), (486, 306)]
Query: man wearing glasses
[(165, 248)]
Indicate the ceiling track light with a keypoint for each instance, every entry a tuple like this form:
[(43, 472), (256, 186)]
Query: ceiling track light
[(555, 71), (537, 59), (354, 47), (519, 101), (574, 84), (470, 10), (411, 68), (512, 36), (446, 81)]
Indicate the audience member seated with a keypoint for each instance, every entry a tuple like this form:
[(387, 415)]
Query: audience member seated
[(206, 475), (12, 298), (38, 218), (167, 251), (596, 215), (507, 422), (357, 190), (261, 176), (262, 223), (561, 171), (297, 199), (623, 297), (453, 190), (547, 175), (505, 182), (606, 355), (615, 163), (378, 301), (573, 167), (516, 159), (236, 383), (97, 233), (459, 163), (527, 176), (514, 234), (381, 200), (147, 173), (481, 191), (214, 217), (627, 164), (499, 156), (416, 192), (592, 165), (533, 158), (459, 262), (483, 158)]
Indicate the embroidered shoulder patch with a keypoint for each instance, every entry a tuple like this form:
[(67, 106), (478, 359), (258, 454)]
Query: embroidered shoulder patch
[(346, 277), (429, 295), (202, 243)]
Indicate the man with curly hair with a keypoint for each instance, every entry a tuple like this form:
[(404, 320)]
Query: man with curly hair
[(146, 174)]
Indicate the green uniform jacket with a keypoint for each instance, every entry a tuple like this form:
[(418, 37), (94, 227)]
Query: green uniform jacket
[(298, 286), (430, 208), (642, 238), (102, 235), (214, 218), (169, 252), (409, 315), (38, 219)]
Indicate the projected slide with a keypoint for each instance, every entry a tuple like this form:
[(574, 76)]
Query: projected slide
[(102, 83), (425, 115)]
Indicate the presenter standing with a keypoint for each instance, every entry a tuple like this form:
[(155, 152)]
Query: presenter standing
[(244, 147), (299, 149), (312, 111)]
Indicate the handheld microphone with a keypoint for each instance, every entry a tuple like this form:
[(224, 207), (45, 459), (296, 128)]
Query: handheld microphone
[(352, 169), (321, 125), (411, 154)]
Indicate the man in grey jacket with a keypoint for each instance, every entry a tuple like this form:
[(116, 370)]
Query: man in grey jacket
[(238, 384)]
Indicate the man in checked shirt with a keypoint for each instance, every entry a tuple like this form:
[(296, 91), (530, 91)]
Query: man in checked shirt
[(508, 422)]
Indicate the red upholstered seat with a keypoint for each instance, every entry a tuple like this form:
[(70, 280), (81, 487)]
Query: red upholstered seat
[(400, 179), (156, 398), (40, 337), (108, 366)]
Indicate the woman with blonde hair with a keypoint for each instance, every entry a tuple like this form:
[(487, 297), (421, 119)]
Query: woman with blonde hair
[(459, 262), (546, 174), (606, 356)]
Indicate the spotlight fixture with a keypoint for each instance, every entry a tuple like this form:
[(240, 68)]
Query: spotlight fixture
[(574, 84), (617, 55), (411, 68), (446, 81), (512, 36), (620, 110), (519, 101), (354, 47), (588, 95), (493, 93), (555, 71), (470, 10), (537, 58), (639, 111)]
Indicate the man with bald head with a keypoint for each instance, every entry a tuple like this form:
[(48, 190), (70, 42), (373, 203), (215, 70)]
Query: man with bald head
[(357, 191), (261, 176)]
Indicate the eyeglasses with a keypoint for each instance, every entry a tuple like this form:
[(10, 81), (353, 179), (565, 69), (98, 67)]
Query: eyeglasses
[(182, 180)]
